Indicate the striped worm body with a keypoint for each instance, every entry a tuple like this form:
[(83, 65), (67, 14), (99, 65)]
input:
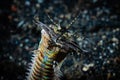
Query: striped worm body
[(42, 68), (52, 48)]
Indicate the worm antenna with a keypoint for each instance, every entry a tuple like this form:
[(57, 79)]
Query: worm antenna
[(75, 19), (69, 25), (51, 19)]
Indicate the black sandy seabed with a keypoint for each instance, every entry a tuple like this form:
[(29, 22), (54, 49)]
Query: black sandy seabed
[(98, 27)]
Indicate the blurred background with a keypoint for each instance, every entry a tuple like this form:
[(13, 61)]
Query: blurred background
[(97, 31)]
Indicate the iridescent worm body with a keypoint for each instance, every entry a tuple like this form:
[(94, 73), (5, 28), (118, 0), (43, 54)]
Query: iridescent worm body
[(51, 49), (42, 68)]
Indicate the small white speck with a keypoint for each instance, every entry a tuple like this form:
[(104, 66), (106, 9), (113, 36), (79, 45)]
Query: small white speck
[(85, 68)]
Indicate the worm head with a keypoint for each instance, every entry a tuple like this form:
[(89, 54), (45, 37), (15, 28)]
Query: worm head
[(56, 37), (46, 29)]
